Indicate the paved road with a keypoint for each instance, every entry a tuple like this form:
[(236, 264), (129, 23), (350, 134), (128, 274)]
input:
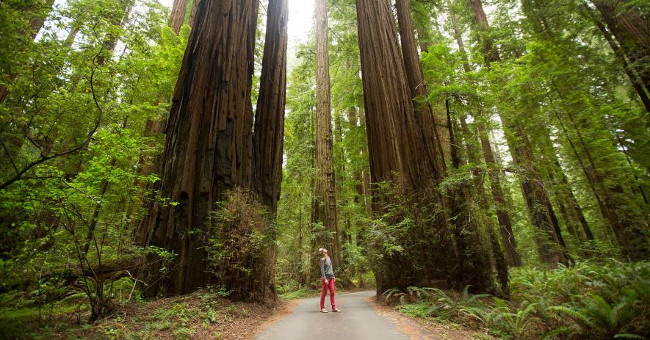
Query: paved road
[(358, 321)]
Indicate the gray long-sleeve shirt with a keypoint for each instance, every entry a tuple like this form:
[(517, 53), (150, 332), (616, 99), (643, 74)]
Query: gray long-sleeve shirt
[(326, 267)]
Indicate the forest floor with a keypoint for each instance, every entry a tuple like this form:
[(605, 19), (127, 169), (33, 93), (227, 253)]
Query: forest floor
[(408, 324), (201, 315)]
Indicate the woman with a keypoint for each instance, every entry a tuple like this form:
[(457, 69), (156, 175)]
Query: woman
[(327, 278)]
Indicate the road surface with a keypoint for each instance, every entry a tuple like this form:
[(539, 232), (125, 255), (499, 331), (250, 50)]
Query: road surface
[(358, 320)]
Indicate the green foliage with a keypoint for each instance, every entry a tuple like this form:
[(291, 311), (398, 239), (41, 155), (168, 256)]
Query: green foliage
[(600, 300), (240, 247)]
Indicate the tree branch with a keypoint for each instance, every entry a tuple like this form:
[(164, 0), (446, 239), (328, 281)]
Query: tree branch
[(19, 174)]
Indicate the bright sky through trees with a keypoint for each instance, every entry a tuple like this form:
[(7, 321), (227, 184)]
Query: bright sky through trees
[(301, 16)]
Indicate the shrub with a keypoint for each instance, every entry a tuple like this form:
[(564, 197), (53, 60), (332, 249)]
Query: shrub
[(241, 248)]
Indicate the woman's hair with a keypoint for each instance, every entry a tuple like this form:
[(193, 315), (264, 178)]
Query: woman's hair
[(321, 250)]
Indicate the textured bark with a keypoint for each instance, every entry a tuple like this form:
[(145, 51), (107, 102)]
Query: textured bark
[(208, 147), (394, 142), (326, 207), (430, 132), (177, 16), (268, 136), (399, 157)]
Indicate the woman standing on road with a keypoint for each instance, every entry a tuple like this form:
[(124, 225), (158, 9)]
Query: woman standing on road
[(327, 279)]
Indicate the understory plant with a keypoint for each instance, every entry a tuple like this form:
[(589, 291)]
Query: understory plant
[(597, 300)]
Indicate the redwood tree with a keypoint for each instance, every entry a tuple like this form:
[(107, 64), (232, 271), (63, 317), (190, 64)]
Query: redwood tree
[(400, 158), (177, 16), (208, 146), (549, 240), (268, 137), (325, 206)]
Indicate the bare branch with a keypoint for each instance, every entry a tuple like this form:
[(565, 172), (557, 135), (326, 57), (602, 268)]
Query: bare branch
[(4, 146)]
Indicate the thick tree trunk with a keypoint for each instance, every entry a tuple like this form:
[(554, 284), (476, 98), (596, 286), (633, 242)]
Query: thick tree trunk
[(268, 137), (177, 16), (423, 114), (208, 147), (394, 141), (326, 207), (399, 157)]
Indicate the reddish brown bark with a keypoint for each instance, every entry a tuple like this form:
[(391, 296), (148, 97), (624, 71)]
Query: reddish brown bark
[(432, 135), (177, 16), (268, 137), (394, 141), (326, 205), (208, 147)]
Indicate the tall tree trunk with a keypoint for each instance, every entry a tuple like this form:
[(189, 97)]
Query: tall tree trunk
[(550, 244), (394, 142), (208, 147), (399, 158), (632, 32), (476, 260), (326, 207), (268, 137), (494, 171), (177, 16), (630, 71), (431, 133), (119, 18), (617, 209)]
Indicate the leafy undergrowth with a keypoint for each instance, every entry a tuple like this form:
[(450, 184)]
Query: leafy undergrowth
[(202, 315), (592, 300)]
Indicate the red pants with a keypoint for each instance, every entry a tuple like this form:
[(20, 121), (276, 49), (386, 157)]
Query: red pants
[(330, 286)]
